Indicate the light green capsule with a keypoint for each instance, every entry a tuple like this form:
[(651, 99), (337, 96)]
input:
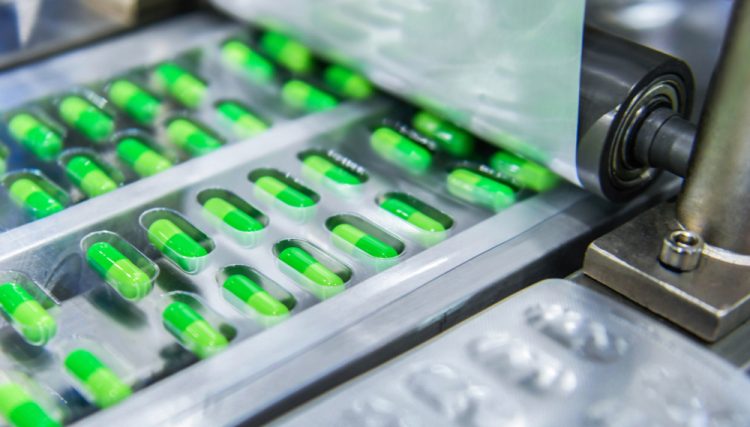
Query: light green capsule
[(400, 150), (328, 168), (401, 208), (347, 83), (241, 57), (87, 118), (192, 138), (99, 381), (20, 410), (254, 296), (35, 136), (245, 124), (192, 330), (88, 176), (27, 315), (479, 189), (451, 139), (144, 160), (232, 216), (527, 173), (180, 84), (36, 201), (365, 242), (284, 192), (306, 264), (306, 97), (175, 243), (140, 105), (287, 52), (118, 271)]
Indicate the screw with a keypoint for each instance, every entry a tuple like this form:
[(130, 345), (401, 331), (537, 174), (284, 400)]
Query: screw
[(681, 250)]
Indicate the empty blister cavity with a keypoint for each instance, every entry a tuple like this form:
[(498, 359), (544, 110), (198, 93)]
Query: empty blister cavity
[(243, 122), (363, 239), (333, 170), (37, 133), (192, 137), (284, 193), (313, 269), (255, 295), (24, 403), (233, 216), (26, 307), (402, 148), (196, 328), (427, 224), (179, 240), (243, 59), (89, 173), (141, 155), (120, 264), (478, 186), (523, 172), (88, 114), (36, 194), (301, 95), (179, 83), (286, 51), (134, 100)]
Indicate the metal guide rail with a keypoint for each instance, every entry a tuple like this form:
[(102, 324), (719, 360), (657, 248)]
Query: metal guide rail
[(557, 353)]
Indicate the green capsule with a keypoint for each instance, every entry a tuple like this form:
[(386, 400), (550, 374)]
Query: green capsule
[(28, 316), (140, 105), (306, 264), (451, 139), (35, 200), (254, 296), (118, 271), (192, 138), (87, 118), (479, 189), (192, 330), (232, 216), (400, 150), (144, 160), (325, 167), (88, 176), (180, 84), (370, 245), (287, 52), (100, 382), (242, 57), (244, 123), (36, 136), (347, 82), (527, 173), (170, 240), (284, 192), (306, 97), (411, 214), (20, 410)]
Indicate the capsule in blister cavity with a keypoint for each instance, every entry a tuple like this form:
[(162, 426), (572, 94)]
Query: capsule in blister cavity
[(347, 83), (527, 173), (143, 159), (283, 189), (317, 276), (87, 118), (364, 236), (231, 215), (99, 382), (480, 189), (27, 316), (252, 294), (192, 330), (244, 59), (119, 271), (303, 96), (286, 51), (37, 201), (180, 84), (139, 104), (195, 139), (400, 150), (415, 212), (244, 122), (173, 236), (88, 175), (20, 410), (450, 138), (35, 135), (334, 170)]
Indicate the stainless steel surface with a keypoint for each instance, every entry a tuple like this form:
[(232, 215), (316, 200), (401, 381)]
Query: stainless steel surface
[(714, 201), (556, 353), (665, 141), (681, 250)]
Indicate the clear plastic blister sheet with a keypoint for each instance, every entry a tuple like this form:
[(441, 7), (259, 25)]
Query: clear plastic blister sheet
[(554, 354), (507, 70)]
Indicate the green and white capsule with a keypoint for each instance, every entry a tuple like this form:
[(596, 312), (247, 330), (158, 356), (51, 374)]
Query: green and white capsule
[(98, 381), (245, 123), (303, 96), (35, 135), (191, 137), (180, 84), (527, 173), (305, 264), (143, 159), (118, 271), (28, 317), (288, 52), (135, 101), (87, 118), (176, 244), (232, 216), (325, 166), (410, 213), (244, 59), (400, 150), (35, 200), (284, 192), (254, 297), (19, 409), (192, 330), (87, 175), (363, 241), (347, 83), (479, 189), (450, 138)]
